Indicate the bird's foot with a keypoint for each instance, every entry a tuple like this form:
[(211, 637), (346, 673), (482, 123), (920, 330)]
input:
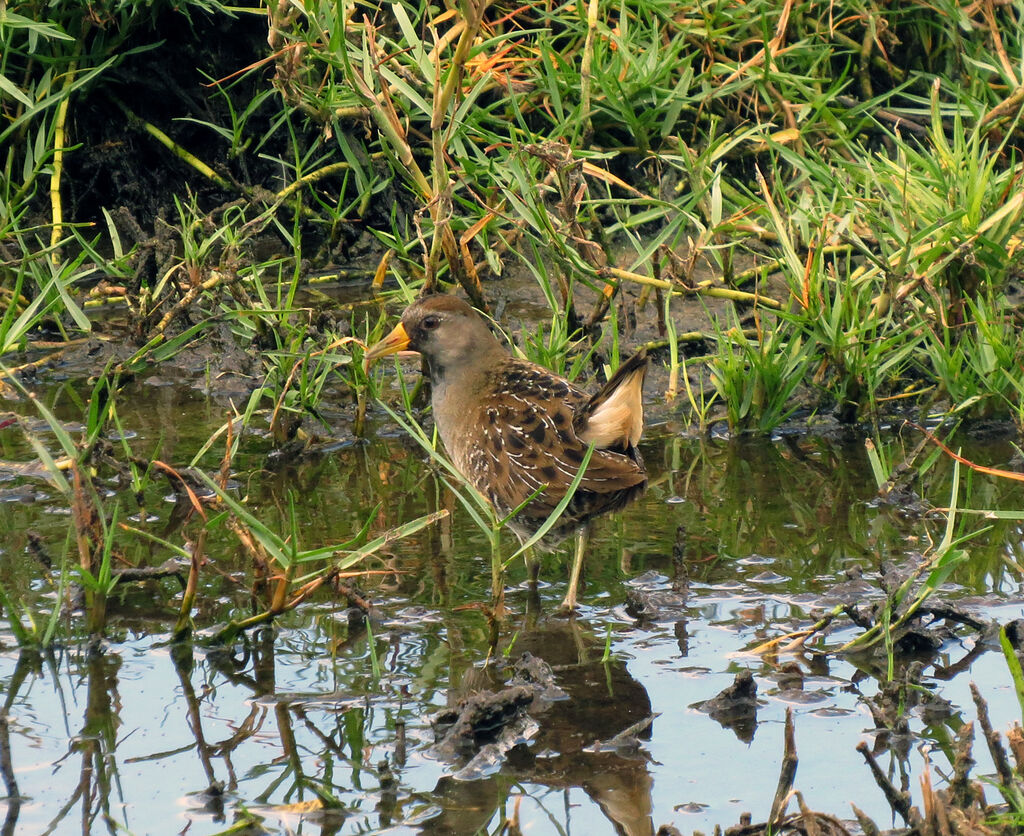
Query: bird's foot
[(568, 607)]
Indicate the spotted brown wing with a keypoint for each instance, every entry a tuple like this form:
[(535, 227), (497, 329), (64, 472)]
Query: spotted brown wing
[(529, 443)]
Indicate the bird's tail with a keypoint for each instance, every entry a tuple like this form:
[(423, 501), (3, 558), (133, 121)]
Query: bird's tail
[(614, 417)]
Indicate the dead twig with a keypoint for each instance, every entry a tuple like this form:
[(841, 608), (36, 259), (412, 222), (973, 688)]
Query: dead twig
[(961, 792), (786, 774), (992, 738), (798, 638), (898, 801)]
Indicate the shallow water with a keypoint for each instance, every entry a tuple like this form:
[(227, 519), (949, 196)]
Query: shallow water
[(734, 543)]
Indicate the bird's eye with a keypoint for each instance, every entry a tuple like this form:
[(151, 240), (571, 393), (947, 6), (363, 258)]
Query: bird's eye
[(431, 322)]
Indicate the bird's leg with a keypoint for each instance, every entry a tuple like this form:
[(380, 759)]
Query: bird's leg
[(582, 537), (533, 608), (532, 566), (532, 574), (497, 576)]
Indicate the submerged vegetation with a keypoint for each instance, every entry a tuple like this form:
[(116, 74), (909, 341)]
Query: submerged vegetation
[(810, 215)]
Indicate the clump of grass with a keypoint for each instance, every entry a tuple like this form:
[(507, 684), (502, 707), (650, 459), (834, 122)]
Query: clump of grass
[(93, 526), (756, 378)]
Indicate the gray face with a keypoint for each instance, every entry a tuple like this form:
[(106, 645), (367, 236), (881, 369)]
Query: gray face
[(449, 333)]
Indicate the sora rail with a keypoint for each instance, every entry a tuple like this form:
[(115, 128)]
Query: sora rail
[(512, 427)]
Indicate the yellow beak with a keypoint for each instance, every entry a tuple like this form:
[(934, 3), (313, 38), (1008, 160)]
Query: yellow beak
[(397, 340)]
